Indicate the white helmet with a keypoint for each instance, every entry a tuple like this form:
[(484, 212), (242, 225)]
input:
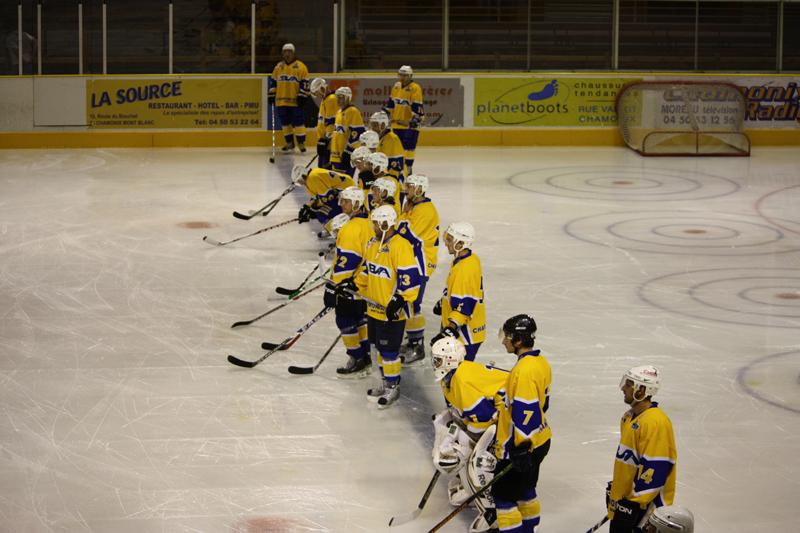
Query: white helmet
[(298, 174), (385, 216), (337, 222), (406, 70), (385, 185), (446, 354), (288, 46), (370, 139), (318, 86), (379, 163), (359, 154), (647, 376), (417, 181), (345, 92), (462, 232), (380, 118), (354, 194), (672, 519)]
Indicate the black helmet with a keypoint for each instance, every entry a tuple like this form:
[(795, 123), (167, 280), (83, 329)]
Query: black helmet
[(520, 328)]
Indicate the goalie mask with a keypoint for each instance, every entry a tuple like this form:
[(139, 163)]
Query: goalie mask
[(446, 354)]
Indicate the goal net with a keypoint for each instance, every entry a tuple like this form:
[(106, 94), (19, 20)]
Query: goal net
[(683, 118)]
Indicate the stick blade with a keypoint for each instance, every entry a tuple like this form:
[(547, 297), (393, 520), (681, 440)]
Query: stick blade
[(399, 520), (301, 370), (241, 323), (241, 216), (211, 241), (285, 292), (232, 359), (272, 346)]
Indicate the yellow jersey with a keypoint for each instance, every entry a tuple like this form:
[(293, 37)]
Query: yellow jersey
[(388, 269), (391, 145), (326, 116), (394, 201), (462, 301), (419, 225), (473, 391), (645, 464), (521, 419), (323, 187), (351, 244), (288, 82), (404, 104), (349, 124)]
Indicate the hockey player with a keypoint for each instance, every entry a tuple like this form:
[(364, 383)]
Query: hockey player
[(351, 243), (523, 434), (461, 305), (370, 139), (347, 128), (389, 144), (288, 91), (388, 279), (385, 189), (465, 430), (404, 106), (644, 467), (670, 519), (323, 187), (325, 119), (359, 162), (419, 225)]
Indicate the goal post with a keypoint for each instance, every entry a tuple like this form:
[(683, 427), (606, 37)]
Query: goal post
[(683, 118)]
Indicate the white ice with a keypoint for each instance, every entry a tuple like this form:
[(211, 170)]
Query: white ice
[(119, 412)]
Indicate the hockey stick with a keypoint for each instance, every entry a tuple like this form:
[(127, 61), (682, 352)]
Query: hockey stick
[(598, 525), (281, 306), (311, 369), (232, 359), (290, 292), (469, 500), (268, 211), (408, 517), (272, 110), (262, 230), (269, 207)]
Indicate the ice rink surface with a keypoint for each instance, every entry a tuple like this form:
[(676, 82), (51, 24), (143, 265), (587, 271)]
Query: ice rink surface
[(119, 412)]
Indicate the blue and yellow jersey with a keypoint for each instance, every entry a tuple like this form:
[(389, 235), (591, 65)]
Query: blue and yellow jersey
[(351, 244), (472, 390), (323, 187), (644, 469), (349, 124), (404, 104), (326, 118), (419, 225), (462, 301), (386, 270), (521, 418), (391, 145), (394, 201), (288, 82)]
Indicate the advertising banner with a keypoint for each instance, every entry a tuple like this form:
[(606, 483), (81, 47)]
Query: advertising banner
[(443, 98), (547, 101), (173, 103), (772, 103)]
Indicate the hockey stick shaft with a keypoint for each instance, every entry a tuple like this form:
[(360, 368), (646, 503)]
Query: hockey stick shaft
[(311, 370), (281, 306), (302, 329), (267, 208), (402, 519), (272, 110), (290, 292), (469, 500), (262, 230), (598, 525)]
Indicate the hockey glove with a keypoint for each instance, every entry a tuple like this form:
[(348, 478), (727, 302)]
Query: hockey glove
[(449, 331), (521, 459), (413, 123), (323, 146), (394, 306), (305, 214), (271, 100), (437, 309), (608, 496), (347, 288), (329, 298)]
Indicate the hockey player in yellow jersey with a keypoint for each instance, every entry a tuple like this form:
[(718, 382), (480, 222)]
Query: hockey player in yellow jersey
[(354, 233), (385, 189), (371, 140), (323, 188), (359, 161), (461, 305), (405, 108), (388, 280), (419, 225), (464, 431), (326, 117), (523, 433), (644, 467), (288, 91), (389, 143), (347, 127)]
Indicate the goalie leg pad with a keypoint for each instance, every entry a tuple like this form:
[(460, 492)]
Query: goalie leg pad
[(480, 469)]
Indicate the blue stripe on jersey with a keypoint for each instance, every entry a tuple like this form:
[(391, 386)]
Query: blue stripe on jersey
[(401, 101), (389, 105), (346, 261), (526, 416), (416, 108), (407, 278), (339, 128), (661, 468), (355, 131), (463, 304), (329, 121), (482, 411)]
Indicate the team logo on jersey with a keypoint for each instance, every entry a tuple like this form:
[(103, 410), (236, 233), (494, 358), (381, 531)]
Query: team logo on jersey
[(635, 425), (379, 271)]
